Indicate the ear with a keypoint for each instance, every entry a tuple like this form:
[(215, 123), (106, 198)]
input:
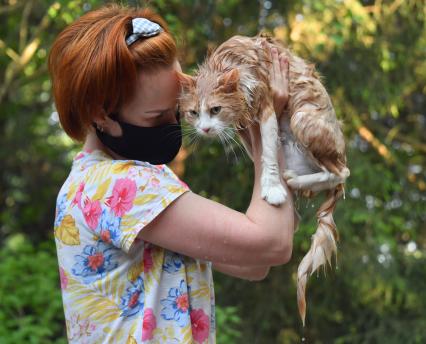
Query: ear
[(186, 81), (228, 81)]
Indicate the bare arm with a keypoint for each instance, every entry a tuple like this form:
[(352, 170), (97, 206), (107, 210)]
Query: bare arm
[(251, 273)]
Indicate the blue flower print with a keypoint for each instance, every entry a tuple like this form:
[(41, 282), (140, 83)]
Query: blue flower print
[(133, 301), (61, 205), (176, 305), (95, 262), (172, 262), (109, 227)]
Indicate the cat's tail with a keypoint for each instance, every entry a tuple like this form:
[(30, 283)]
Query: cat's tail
[(324, 244)]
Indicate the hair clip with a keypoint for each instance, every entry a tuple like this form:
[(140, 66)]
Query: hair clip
[(143, 27)]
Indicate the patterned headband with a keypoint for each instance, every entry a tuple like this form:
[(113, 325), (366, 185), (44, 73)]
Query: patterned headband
[(143, 28)]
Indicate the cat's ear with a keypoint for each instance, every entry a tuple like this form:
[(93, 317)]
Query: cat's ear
[(228, 82), (186, 81)]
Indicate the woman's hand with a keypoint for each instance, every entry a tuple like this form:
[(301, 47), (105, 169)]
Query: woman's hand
[(278, 77)]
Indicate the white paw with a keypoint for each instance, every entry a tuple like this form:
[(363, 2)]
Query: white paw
[(274, 194)]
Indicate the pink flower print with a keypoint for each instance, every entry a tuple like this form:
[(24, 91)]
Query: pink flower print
[(147, 259), (92, 212), (123, 194), (149, 324), (79, 156), (200, 325), (79, 193), (64, 278)]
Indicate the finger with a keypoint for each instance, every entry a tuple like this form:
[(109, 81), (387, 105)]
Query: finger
[(284, 67), (275, 62)]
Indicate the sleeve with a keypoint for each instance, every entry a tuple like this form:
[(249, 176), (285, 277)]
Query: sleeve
[(135, 200)]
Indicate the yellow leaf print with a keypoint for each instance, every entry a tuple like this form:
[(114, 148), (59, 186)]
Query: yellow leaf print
[(128, 222), (122, 167), (135, 271), (131, 340), (187, 334), (92, 304), (102, 189), (71, 191), (203, 291), (67, 232), (175, 189), (144, 199)]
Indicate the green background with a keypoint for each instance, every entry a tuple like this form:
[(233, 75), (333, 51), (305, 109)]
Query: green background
[(372, 55)]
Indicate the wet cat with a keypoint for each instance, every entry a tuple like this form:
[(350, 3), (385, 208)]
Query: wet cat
[(231, 89)]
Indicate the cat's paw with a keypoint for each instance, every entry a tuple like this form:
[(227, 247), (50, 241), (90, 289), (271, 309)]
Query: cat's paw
[(274, 194)]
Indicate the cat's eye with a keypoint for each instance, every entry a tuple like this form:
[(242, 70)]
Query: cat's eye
[(215, 110), (193, 113)]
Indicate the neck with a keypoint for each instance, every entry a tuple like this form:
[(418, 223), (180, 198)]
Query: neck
[(92, 142)]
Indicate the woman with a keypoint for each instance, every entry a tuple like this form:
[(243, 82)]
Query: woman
[(135, 246)]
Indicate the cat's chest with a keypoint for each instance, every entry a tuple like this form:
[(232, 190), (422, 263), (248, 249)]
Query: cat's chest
[(296, 158)]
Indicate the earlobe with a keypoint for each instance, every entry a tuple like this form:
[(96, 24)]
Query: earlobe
[(228, 81), (186, 81)]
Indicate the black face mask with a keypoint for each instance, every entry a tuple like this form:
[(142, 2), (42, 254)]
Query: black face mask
[(156, 145)]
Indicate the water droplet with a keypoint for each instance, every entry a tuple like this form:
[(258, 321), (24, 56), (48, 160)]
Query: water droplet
[(303, 339), (337, 267)]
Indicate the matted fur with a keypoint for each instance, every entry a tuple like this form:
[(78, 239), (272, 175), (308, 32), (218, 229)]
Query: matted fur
[(236, 77)]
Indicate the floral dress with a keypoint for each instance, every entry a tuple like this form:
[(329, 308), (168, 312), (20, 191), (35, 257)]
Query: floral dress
[(116, 288)]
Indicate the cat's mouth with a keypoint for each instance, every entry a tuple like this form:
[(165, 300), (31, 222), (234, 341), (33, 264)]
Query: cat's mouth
[(207, 132)]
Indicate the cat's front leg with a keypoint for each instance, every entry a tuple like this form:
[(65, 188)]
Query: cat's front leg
[(271, 188)]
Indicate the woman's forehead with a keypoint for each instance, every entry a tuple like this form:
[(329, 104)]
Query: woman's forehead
[(157, 89)]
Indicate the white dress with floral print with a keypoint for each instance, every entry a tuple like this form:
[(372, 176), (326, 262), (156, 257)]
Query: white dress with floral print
[(117, 288)]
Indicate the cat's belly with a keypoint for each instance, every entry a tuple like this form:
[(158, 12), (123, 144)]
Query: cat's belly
[(296, 158)]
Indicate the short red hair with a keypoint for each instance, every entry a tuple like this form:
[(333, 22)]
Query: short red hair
[(92, 68)]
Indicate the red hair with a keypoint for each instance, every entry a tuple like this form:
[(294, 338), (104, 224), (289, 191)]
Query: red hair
[(94, 72)]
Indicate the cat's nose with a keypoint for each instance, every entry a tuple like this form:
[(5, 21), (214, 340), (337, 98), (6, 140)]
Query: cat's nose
[(206, 130)]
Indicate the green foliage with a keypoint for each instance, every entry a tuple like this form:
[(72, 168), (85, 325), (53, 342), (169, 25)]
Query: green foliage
[(227, 321), (372, 56), (31, 305)]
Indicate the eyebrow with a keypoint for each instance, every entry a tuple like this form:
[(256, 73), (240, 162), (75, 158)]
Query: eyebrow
[(155, 111)]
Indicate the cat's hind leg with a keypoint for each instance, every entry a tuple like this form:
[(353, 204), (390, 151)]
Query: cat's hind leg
[(314, 182)]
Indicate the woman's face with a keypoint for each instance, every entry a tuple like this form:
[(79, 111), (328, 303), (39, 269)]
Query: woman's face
[(154, 102), (155, 98)]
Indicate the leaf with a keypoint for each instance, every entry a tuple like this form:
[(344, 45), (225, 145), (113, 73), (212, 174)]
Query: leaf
[(175, 189), (71, 191), (135, 271), (67, 232), (92, 304), (144, 199), (122, 167), (187, 334), (102, 189), (131, 340)]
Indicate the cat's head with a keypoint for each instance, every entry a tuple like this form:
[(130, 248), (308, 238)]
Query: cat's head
[(211, 103)]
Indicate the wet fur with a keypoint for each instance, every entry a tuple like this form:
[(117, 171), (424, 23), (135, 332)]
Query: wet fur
[(235, 77)]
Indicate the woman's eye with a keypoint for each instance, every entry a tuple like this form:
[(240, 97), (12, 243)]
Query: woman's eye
[(215, 110), (193, 113)]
